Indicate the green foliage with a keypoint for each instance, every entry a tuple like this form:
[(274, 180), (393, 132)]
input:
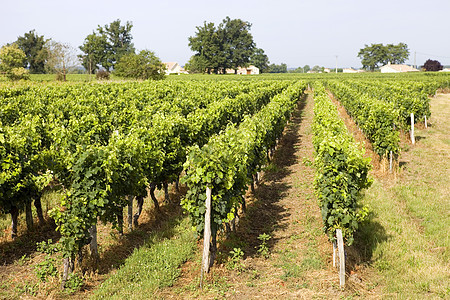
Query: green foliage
[(11, 62), (144, 65), (35, 51), (154, 265), (95, 49), (48, 247), (263, 250), (196, 64), (73, 283), (341, 170), (106, 46), (47, 268), (229, 45), (407, 96), (377, 54), (260, 60), (281, 68), (375, 117), (227, 161), (235, 262)]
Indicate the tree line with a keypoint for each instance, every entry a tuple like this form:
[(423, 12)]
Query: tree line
[(108, 48)]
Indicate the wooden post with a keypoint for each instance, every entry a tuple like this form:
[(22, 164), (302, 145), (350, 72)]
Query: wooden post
[(334, 254), (140, 203), (413, 141), (38, 205), (93, 246), (130, 213), (166, 191), (341, 253), (390, 161), (426, 125), (28, 215), (206, 236), (177, 184), (14, 216)]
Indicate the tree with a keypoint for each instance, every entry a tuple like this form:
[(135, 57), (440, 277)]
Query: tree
[(260, 60), (239, 45), (208, 46), (306, 68), (36, 54), (316, 69), (119, 41), (397, 54), (372, 56), (282, 68), (145, 65), (297, 70), (230, 45), (95, 52), (11, 62), (196, 64), (432, 65), (61, 59), (377, 54), (107, 45)]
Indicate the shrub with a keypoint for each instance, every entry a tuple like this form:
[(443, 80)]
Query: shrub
[(102, 75)]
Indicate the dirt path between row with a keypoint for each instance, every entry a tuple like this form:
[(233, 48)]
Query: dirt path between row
[(284, 206)]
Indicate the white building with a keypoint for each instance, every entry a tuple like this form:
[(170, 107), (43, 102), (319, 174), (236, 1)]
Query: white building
[(250, 70), (349, 70), (174, 68), (392, 68)]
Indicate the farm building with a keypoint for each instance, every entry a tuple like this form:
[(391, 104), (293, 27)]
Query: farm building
[(250, 70), (392, 68), (349, 70), (174, 68)]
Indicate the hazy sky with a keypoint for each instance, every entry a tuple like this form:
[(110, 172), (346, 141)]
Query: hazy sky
[(289, 31)]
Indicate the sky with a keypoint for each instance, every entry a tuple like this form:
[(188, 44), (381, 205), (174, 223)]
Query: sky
[(295, 32)]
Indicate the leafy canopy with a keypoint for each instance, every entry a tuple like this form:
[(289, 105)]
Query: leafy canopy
[(260, 60), (33, 45), (104, 47), (432, 65), (11, 62), (145, 65), (227, 46), (376, 55)]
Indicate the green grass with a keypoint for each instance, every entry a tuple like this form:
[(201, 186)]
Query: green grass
[(154, 265), (410, 245)]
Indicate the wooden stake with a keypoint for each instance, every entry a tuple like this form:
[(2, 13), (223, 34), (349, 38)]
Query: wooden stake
[(206, 236), (93, 246), (390, 161), (341, 252), (130, 213), (334, 254), (413, 141), (426, 125)]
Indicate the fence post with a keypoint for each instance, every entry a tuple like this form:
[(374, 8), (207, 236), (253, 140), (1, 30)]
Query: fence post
[(341, 253), (206, 236), (413, 141)]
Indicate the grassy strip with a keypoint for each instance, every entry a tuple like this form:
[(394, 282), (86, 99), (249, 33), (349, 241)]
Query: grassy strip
[(154, 265), (412, 252)]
